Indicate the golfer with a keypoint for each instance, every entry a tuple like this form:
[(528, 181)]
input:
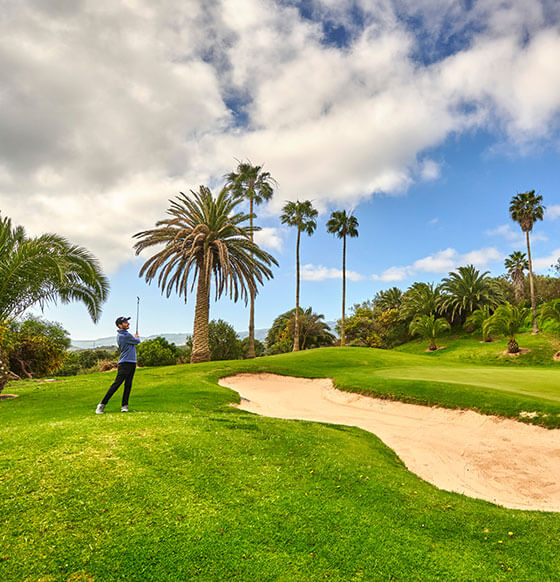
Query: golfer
[(127, 364)]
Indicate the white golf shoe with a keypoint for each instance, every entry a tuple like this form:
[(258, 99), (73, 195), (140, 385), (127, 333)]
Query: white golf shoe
[(124, 408), (100, 408)]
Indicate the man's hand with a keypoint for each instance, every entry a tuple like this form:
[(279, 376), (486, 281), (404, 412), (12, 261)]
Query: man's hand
[(136, 335)]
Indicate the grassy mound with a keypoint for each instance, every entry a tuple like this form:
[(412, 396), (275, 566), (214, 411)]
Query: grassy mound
[(186, 487)]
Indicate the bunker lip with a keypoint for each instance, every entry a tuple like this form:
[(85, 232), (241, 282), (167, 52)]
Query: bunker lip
[(503, 461)]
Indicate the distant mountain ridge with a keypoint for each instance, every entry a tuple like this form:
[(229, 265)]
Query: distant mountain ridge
[(178, 339)]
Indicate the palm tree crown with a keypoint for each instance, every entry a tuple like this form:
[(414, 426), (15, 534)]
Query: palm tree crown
[(466, 290), (302, 215), (42, 270), (204, 239), (45, 269), (515, 264), (251, 183), (343, 225), (526, 208)]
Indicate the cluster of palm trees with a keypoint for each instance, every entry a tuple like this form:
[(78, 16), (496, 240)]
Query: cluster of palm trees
[(470, 297), (206, 239)]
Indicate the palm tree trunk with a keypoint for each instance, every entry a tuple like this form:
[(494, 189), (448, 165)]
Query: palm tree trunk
[(296, 324), (532, 287), (251, 338), (201, 349), (342, 334)]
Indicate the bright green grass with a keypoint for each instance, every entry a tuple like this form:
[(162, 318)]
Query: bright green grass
[(187, 488)]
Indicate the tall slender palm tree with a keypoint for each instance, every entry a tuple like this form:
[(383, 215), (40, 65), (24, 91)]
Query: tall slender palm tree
[(251, 183), (466, 290), (526, 208), (343, 225), (204, 238), (302, 215), (515, 264), (43, 270)]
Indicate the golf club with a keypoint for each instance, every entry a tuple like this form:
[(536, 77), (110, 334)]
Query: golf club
[(137, 312)]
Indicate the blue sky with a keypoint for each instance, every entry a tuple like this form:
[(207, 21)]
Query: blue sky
[(424, 118)]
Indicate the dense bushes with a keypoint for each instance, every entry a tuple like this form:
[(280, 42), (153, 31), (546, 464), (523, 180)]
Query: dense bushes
[(157, 352)]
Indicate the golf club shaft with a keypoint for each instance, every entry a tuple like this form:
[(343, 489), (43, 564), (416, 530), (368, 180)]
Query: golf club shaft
[(137, 312)]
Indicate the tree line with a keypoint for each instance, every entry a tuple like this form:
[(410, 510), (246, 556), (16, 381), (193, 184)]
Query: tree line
[(207, 242)]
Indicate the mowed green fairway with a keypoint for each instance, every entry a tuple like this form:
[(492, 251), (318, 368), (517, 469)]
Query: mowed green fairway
[(187, 487)]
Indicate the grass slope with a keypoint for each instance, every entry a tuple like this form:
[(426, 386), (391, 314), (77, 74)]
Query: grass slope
[(186, 487)]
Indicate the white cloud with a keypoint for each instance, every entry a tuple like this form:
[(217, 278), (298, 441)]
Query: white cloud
[(320, 273), (437, 263), (392, 274), (110, 108), (515, 236), (269, 238), (442, 262), (553, 212), (544, 263)]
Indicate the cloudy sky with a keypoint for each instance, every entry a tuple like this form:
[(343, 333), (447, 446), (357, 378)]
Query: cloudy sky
[(423, 117)]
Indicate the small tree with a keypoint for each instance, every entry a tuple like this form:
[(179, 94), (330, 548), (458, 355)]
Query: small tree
[(223, 341), (429, 327), (478, 319), (157, 352), (550, 311), (508, 320)]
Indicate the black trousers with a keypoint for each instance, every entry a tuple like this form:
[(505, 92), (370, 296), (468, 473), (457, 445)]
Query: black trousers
[(125, 373)]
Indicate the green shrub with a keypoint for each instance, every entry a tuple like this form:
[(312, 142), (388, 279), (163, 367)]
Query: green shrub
[(157, 352)]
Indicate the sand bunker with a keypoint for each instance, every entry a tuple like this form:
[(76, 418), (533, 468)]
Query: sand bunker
[(499, 460)]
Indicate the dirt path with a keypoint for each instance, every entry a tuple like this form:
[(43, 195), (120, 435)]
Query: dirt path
[(500, 460)]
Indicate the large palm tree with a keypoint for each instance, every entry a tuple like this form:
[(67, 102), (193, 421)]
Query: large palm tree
[(302, 215), (42, 270), (204, 239), (516, 264), (388, 299), (429, 327), (251, 183), (466, 290), (550, 310), (526, 208), (420, 299), (343, 225)]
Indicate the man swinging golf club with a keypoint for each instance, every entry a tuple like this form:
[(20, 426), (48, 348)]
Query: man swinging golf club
[(127, 364)]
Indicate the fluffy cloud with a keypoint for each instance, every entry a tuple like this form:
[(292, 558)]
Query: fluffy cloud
[(544, 263), (320, 273), (553, 212), (110, 108), (441, 263)]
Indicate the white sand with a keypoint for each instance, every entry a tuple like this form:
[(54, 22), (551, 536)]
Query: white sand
[(500, 460)]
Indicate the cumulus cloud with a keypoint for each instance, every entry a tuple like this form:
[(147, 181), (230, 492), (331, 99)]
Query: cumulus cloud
[(441, 262), (553, 212), (269, 238), (319, 273), (110, 108), (544, 263)]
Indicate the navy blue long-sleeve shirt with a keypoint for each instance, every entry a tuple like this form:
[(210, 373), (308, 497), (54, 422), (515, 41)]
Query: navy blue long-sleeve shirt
[(127, 345)]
